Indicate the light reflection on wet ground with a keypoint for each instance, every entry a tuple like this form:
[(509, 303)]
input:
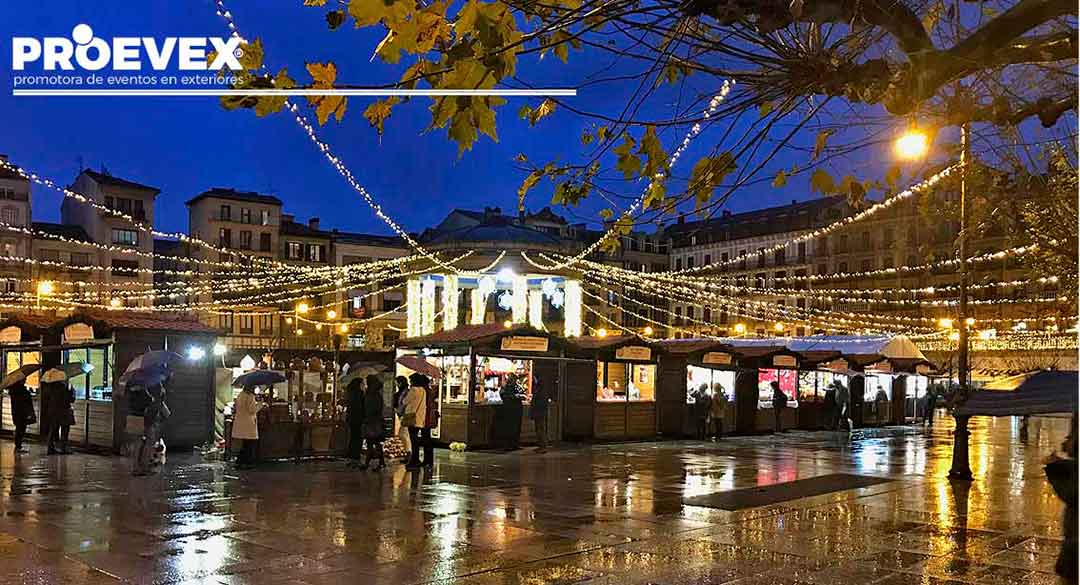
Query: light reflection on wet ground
[(603, 514)]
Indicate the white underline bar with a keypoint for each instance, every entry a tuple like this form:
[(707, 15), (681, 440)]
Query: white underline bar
[(292, 92)]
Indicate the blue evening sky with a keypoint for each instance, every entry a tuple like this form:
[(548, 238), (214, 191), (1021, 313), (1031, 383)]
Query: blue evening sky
[(185, 145)]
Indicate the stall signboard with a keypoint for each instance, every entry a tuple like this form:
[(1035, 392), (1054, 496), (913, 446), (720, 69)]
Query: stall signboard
[(633, 352), (12, 334), (77, 332), (523, 343), (784, 361), (716, 358), (882, 366), (921, 369)]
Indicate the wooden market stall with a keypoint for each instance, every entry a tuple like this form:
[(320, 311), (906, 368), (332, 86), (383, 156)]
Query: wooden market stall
[(108, 341), (688, 367), (20, 344), (475, 362), (765, 361), (622, 401), (819, 369)]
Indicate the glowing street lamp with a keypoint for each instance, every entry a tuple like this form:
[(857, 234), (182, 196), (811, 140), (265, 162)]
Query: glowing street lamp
[(648, 330), (302, 308), (912, 145), (945, 323), (740, 328), (601, 332), (331, 314), (778, 327)]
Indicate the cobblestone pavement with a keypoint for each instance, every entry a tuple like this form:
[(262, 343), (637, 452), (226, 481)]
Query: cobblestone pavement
[(602, 514)]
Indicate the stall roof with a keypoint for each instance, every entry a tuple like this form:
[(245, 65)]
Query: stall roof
[(1042, 392), (608, 342), (466, 334), (133, 320), (30, 324), (896, 346), (692, 345)]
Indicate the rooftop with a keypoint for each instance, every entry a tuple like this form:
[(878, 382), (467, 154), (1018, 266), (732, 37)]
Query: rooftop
[(732, 226), (107, 179), (234, 195)]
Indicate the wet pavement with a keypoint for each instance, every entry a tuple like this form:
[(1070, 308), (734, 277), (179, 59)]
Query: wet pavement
[(609, 514)]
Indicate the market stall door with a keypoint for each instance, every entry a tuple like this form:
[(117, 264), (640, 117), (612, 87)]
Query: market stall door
[(671, 397), (547, 374), (580, 402), (746, 401)]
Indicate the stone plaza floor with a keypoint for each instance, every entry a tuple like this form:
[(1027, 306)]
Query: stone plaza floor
[(606, 514)]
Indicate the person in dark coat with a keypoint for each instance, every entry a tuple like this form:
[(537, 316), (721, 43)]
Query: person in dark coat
[(931, 406), (61, 416), (354, 417), (511, 412), (373, 422), (1062, 472), (401, 389), (779, 403), (830, 407), (22, 412), (538, 413)]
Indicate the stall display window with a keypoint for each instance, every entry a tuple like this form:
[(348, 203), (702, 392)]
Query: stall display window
[(454, 380), (809, 389), (697, 376), (878, 388), (491, 374), (922, 383), (789, 382), (642, 385), (621, 381)]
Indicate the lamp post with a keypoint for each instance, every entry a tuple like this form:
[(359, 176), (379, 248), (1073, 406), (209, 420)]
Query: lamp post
[(914, 144)]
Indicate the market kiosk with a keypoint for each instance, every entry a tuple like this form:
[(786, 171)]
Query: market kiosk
[(906, 381), (764, 364), (819, 370), (689, 367), (623, 399), (20, 344), (475, 362)]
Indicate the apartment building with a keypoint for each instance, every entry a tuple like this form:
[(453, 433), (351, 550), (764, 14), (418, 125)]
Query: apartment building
[(14, 212), (131, 258), (370, 301)]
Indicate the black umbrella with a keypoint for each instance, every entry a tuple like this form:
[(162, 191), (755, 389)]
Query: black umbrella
[(258, 378)]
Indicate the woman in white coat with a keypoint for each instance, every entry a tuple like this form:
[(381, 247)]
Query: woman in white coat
[(246, 426)]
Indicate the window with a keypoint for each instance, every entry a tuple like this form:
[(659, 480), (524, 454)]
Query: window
[(778, 257), (866, 266), (125, 267), (912, 260), (866, 242), (138, 212), (245, 240), (689, 261), (225, 321), (264, 217), (802, 252), (912, 235), (125, 237), (315, 253), (226, 213), (9, 215), (8, 285), (841, 243), (742, 259), (842, 267), (247, 324), (761, 258), (266, 323), (49, 255), (724, 257), (706, 315), (822, 269), (887, 237), (678, 264), (80, 258), (294, 250), (264, 242), (708, 259), (887, 262), (110, 202), (690, 313), (390, 303), (759, 280), (678, 315), (225, 237), (245, 215)]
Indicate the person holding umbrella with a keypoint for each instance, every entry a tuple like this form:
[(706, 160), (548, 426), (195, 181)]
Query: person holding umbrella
[(59, 412), (246, 426), (22, 404)]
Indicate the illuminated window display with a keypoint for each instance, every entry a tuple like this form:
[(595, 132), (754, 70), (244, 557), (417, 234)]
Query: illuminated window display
[(491, 375), (814, 385), (713, 381), (455, 378), (621, 381), (878, 387), (789, 381)]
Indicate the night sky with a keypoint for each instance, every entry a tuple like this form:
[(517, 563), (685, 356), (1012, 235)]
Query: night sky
[(185, 145)]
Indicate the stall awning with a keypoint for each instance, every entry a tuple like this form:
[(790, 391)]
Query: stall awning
[(1042, 392), (692, 345), (470, 334)]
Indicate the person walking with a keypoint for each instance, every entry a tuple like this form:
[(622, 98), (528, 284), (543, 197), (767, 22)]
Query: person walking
[(61, 416), (830, 407), (373, 422), (717, 410), (401, 389), (150, 455), (931, 406), (354, 417), (538, 412), (246, 426), (22, 412), (779, 403), (414, 416), (843, 402)]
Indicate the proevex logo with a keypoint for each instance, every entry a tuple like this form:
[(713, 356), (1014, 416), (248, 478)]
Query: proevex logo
[(87, 52)]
